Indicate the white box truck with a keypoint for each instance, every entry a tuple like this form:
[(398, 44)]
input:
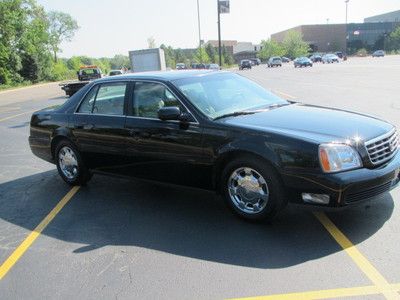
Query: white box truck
[(147, 60)]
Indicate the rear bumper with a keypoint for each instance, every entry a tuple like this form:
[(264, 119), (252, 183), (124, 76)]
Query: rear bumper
[(41, 148), (346, 188)]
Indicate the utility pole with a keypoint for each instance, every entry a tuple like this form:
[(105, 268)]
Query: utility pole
[(198, 21), (219, 35), (347, 34), (223, 8)]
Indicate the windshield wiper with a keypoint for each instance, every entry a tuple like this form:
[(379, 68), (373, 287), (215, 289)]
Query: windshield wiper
[(237, 113), (250, 112)]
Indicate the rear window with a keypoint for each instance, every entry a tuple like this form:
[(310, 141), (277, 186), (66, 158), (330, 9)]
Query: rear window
[(89, 71)]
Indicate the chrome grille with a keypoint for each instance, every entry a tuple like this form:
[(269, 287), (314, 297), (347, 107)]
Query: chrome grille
[(383, 148)]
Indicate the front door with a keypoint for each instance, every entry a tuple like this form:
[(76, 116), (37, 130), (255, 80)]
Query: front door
[(169, 151)]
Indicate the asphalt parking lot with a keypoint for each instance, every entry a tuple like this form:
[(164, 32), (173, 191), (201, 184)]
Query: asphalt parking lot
[(124, 239)]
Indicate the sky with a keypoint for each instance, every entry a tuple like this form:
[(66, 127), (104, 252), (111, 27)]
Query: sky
[(110, 27)]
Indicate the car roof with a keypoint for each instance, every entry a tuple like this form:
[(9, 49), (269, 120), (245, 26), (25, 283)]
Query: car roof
[(163, 75)]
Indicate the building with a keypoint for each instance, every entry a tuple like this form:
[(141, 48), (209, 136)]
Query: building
[(229, 45), (371, 36), (393, 16), (234, 47), (321, 37), (349, 38)]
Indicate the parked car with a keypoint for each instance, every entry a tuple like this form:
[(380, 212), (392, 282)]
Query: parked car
[(275, 61), (115, 72), (285, 59), (315, 58), (302, 62), (330, 58), (339, 54), (214, 67), (222, 132), (245, 64), (378, 53), (181, 66), (255, 61)]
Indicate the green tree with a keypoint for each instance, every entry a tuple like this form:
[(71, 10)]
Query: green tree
[(227, 57), (393, 40), (179, 56), (62, 27), (202, 56), (270, 48), (294, 45), (211, 53), (74, 63), (120, 61), (169, 56)]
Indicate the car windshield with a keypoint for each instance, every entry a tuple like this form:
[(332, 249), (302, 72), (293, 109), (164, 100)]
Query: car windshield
[(226, 93)]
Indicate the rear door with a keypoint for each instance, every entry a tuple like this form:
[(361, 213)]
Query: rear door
[(99, 126)]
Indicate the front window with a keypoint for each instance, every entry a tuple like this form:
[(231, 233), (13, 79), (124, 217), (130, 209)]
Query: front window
[(225, 93), (149, 97)]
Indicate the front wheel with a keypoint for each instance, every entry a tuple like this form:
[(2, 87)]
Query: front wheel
[(70, 165), (252, 189)]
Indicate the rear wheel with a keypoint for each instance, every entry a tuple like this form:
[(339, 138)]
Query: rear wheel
[(252, 189), (70, 165)]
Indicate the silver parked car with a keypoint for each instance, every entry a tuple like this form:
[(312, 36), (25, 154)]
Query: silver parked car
[(330, 58), (274, 61)]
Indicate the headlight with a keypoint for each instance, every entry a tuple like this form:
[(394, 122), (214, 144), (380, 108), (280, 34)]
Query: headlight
[(338, 157)]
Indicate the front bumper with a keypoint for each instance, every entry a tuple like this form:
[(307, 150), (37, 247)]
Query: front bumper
[(345, 188)]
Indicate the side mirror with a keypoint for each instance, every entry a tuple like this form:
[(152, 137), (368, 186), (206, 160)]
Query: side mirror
[(169, 113)]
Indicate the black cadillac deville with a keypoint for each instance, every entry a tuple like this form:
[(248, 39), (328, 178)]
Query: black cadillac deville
[(219, 131)]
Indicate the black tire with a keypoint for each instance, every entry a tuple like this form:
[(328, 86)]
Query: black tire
[(277, 199), (83, 175)]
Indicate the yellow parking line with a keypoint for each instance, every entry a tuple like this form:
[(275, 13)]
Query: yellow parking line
[(16, 255), (359, 259), (284, 94), (332, 293), (17, 115)]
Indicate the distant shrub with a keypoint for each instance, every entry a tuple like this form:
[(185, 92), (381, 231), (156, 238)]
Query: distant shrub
[(362, 52)]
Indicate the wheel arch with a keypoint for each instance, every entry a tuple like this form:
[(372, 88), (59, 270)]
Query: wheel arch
[(59, 135), (227, 156)]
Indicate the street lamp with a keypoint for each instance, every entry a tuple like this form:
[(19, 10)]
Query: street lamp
[(347, 2), (198, 21)]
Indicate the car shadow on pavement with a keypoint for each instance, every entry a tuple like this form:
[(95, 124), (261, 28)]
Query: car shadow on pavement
[(180, 221)]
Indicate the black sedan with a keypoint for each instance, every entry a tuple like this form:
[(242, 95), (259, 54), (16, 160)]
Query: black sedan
[(245, 64), (218, 131)]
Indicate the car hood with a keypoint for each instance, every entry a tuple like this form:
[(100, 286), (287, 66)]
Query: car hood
[(314, 123)]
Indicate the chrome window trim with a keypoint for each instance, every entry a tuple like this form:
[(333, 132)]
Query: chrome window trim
[(157, 119), (129, 116), (103, 115)]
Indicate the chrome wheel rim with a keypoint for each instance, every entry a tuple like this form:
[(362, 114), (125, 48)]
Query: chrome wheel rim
[(68, 162), (248, 190)]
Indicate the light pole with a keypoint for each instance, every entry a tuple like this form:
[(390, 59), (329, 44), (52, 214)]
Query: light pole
[(219, 35), (198, 21), (347, 3)]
